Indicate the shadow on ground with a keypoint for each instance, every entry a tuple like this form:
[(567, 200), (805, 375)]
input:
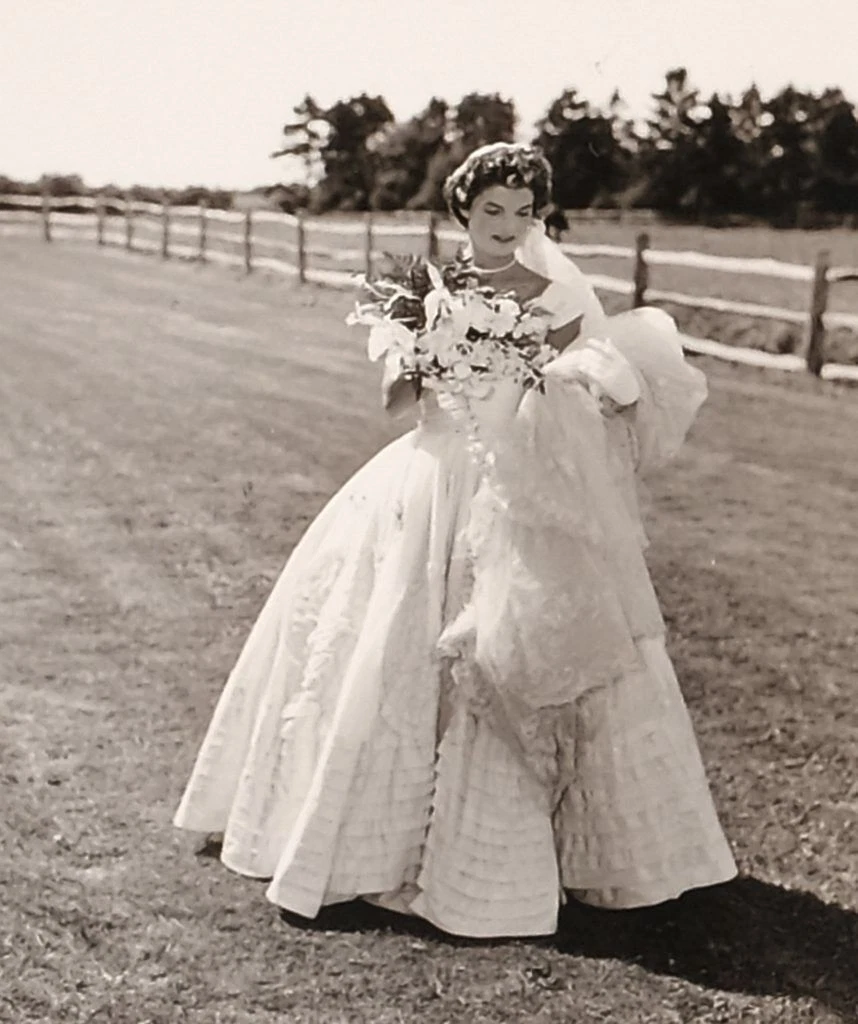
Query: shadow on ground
[(746, 936)]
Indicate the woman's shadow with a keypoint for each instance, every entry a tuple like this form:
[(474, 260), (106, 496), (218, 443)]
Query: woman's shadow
[(743, 936)]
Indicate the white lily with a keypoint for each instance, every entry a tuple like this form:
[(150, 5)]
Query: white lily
[(386, 335), (434, 276), (474, 312), (364, 314), (437, 303), (505, 317), (441, 344)]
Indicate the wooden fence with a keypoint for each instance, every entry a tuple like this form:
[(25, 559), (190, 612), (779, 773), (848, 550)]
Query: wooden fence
[(285, 244)]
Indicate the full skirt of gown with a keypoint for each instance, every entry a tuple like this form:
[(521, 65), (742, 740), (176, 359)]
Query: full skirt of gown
[(456, 700)]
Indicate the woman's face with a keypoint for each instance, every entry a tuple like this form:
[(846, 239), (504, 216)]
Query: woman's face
[(497, 223)]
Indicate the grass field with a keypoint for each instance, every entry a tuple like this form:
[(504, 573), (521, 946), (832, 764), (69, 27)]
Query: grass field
[(167, 433)]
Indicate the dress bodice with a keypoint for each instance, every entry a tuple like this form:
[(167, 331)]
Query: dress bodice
[(443, 412)]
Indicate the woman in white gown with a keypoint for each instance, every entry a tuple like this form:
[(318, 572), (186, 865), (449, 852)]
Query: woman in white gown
[(456, 701)]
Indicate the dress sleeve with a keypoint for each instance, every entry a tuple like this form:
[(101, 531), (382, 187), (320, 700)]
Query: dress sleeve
[(572, 298)]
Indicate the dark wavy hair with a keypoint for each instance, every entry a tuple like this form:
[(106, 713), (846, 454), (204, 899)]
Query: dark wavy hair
[(513, 165)]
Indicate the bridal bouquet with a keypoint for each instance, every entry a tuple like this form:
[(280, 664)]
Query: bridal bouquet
[(440, 327)]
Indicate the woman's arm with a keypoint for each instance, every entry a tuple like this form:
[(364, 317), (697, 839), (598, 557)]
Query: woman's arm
[(561, 337)]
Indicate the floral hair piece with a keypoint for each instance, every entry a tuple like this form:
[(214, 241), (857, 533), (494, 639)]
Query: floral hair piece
[(511, 164)]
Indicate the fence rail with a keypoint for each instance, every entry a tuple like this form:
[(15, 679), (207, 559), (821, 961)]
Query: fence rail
[(257, 242)]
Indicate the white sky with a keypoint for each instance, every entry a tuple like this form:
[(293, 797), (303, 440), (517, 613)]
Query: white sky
[(175, 92)]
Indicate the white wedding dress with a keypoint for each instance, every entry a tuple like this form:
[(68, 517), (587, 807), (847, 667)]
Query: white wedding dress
[(457, 700)]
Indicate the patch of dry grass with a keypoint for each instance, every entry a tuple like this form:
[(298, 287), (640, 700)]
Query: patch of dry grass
[(167, 433)]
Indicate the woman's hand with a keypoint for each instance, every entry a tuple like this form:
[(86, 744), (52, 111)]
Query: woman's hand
[(400, 388), (560, 338)]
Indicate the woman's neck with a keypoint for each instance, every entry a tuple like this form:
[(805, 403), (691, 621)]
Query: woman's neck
[(484, 262)]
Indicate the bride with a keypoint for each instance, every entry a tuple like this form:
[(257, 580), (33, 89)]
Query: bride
[(456, 701)]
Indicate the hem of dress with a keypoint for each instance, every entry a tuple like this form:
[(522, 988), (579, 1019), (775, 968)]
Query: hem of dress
[(586, 896)]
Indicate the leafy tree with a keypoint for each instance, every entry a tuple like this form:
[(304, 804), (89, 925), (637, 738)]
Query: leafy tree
[(477, 120), (343, 139), (585, 150), (404, 153), (482, 118), (350, 153), (718, 166), (193, 195), (305, 137), (835, 137), (63, 185), (787, 161), (747, 116), (667, 160), (11, 186), (146, 194), (288, 198), (702, 160)]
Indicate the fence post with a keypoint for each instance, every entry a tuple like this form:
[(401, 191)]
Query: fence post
[(367, 246), (129, 222), (248, 241), (641, 270), (165, 233), (203, 222), (302, 248), (46, 214), (99, 219), (815, 347), (432, 240)]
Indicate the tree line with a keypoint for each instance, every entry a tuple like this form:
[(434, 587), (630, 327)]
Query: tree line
[(788, 159), (68, 186)]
